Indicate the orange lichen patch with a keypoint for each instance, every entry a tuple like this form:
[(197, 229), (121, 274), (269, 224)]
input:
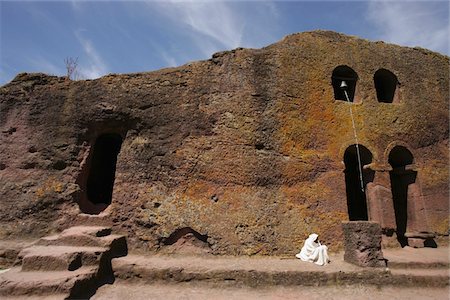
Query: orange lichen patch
[(305, 193), (295, 170), (309, 204), (440, 226), (314, 122), (326, 224), (434, 173), (304, 130), (201, 190), (50, 186), (340, 133)]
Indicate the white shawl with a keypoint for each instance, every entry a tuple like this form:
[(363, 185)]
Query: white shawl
[(313, 252)]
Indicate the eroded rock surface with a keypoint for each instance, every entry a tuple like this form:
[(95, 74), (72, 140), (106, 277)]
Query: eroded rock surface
[(362, 244), (246, 148)]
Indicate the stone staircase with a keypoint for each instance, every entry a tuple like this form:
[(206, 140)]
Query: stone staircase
[(73, 263), (429, 271), (425, 267)]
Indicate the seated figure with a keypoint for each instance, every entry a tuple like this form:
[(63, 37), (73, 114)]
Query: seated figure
[(313, 251)]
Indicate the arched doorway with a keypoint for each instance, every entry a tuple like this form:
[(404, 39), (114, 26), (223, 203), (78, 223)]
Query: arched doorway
[(385, 84), (356, 195), (347, 74), (401, 178), (100, 170)]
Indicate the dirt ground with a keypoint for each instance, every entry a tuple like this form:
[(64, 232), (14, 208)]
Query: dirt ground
[(187, 291)]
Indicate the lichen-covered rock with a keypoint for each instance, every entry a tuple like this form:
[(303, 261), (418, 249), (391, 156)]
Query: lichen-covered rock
[(246, 149)]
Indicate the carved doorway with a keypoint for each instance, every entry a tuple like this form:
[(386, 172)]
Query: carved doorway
[(401, 178), (356, 192), (97, 185)]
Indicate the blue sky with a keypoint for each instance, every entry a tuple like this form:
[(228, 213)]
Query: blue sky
[(136, 36)]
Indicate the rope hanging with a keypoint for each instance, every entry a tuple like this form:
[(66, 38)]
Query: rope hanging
[(344, 88)]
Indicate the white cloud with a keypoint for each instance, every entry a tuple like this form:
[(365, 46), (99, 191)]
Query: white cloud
[(216, 20), (406, 23), (213, 26), (76, 5), (170, 60), (95, 66)]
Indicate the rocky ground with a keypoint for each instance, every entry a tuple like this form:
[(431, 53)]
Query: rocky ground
[(48, 272), (406, 261), (199, 292), (120, 291)]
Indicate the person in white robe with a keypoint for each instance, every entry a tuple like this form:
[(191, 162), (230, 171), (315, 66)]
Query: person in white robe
[(313, 251)]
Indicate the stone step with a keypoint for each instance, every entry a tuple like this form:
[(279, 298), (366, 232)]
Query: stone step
[(88, 236), (77, 236), (411, 258), (74, 263), (420, 277), (196, 290), (420, 272), (93, 220), (96, 231), (9, 251), (82, 240), (418, 265), (73, 284), (59, 258), (117, 245), (261, 272)]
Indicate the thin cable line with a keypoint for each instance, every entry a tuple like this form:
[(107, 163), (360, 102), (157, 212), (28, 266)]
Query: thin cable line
[(356, 141)]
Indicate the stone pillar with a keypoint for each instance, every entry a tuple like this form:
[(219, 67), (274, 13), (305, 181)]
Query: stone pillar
[(417, 221), (362, 242), (417, 233), (379, 201), (381, 208)]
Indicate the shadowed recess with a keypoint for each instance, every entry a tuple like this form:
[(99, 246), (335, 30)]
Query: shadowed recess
[(356, 197), (179, 233), (347, 74), (401, 179), (103, 168), (385, 84)]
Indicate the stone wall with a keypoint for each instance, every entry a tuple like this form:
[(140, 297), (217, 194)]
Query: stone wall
[(245, 149)]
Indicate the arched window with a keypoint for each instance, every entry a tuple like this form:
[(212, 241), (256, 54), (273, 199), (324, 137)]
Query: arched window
[(356, 195), (399, 157), (346, 74), (385, 84), (401, 178)]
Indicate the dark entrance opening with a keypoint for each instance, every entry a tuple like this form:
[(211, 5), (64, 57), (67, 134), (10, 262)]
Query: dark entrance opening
[(344, 73), (102, 170), (356, 196), (401, 178), (385, 84)]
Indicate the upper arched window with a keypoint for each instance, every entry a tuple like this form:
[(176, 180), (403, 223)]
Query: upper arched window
[(400, 157), (385, 84), (344, 80)]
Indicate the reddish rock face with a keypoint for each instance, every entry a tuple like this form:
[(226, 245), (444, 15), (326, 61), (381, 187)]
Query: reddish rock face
[(362, 244), (253, 149)]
